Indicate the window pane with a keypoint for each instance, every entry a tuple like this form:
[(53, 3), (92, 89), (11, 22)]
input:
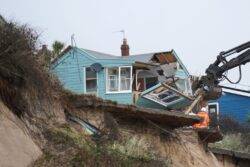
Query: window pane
[(90, 74), (181, 84), (91, 85), (91, 81), (112, 79), (125, 78)]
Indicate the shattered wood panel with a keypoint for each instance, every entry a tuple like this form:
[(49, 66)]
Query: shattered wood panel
[(168, 97)]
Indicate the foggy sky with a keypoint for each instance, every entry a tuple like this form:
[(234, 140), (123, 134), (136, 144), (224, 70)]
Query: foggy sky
[(196, 29)]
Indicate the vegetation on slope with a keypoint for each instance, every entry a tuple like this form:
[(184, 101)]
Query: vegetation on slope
[(37, 99), (236, 135), (67, 147)]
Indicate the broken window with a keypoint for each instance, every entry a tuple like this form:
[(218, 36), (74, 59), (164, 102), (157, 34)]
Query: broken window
[(184, 85), (162, 96)]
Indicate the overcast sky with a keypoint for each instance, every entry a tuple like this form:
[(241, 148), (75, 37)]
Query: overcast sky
[(196, 29)]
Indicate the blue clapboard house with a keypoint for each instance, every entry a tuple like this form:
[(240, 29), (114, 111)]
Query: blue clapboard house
[(119, 78), (232, 104)]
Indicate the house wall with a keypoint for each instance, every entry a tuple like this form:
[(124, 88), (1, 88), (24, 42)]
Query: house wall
[(69, 70), (235, 106)]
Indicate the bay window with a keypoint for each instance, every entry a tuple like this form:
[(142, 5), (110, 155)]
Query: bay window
[(119, 79)]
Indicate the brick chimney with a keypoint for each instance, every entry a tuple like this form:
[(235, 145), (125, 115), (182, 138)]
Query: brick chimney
[(125, 48)]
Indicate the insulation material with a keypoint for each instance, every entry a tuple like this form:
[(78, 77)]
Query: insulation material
[(169, 69)]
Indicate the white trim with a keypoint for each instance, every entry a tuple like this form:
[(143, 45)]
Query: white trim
[(217, 106), (119, 92), (84, 79), (131, 78), (236, 92), (119, 80)]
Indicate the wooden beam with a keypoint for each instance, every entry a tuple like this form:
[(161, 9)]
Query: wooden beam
[(197, 100)]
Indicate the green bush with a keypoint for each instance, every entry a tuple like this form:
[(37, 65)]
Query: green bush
[(234, 142)]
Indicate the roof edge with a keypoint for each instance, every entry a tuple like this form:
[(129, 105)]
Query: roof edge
[(67, 49)]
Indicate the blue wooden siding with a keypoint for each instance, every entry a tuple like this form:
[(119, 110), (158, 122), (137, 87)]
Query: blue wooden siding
[(235, 106), (69, 73), (69, 70)]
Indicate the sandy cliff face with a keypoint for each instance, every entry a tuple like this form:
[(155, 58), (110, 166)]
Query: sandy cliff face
[(16, 146), (185, 150), (180, 147)]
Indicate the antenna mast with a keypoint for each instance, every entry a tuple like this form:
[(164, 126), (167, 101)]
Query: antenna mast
[(121, 31)]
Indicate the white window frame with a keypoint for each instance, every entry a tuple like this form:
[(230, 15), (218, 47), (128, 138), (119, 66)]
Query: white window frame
[(85, 81), (119, 80)]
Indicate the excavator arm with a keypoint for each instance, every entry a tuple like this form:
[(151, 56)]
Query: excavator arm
[(216, 72)]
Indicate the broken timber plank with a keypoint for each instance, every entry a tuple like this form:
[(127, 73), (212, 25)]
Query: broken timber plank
[(197, 100)]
